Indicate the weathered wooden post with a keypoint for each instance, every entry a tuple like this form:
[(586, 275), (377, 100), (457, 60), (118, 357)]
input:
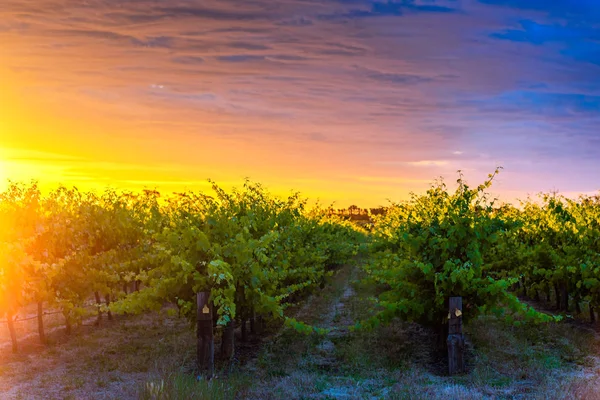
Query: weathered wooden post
[(40, 320), (107, 301), (10, 321), (256, 324), (98, 305), (244, 329), (206, 345), (228, 341), (68, 324), (456, 340)]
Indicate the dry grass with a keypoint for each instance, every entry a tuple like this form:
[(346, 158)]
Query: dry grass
[(110, 362), (400, 362), (26, 324), (152, 357)]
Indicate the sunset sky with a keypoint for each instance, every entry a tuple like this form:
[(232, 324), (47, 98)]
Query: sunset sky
[(356, 101)]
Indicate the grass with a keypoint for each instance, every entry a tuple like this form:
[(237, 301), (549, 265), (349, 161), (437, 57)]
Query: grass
[(400, 361), (181, 386), (152, 357), (107, 362)]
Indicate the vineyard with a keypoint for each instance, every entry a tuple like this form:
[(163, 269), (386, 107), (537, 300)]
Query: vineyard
[(263, 261)]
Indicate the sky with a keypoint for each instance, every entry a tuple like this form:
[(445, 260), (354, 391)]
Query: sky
[(352, 101)]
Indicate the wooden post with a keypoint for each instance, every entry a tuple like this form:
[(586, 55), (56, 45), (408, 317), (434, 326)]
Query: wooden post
[(68, 325), (10, 320), (107, 300), (204, 333), (577, 305), (40, 318), (98, 304), (228, 341), (260, 325), (456, 340), (244, 330), (253, 322), (564, 297)]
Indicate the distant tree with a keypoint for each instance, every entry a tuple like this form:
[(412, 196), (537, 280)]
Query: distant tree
[(378, 211)]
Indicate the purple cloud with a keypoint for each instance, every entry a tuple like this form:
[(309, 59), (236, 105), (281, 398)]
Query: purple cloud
[(440, 85)]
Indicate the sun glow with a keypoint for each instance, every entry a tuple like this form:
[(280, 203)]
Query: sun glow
[(3, 175)]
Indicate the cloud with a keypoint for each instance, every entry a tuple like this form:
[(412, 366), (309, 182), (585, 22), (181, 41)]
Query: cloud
[(428, 163), (235, 58), (212, 14), (393, 180), (248, 46), (588, 9), (390, 8), (550, 105), (536, 33), (572, 25), (296, 21), (390, 87), (394, 78), (188, 60), (285, 58), (17, 154)]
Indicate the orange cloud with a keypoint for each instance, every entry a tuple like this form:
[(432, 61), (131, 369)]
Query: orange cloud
[(156, 94)]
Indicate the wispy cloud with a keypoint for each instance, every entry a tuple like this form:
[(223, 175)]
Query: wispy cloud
[(428, 163), (405, 88), (392, 180)]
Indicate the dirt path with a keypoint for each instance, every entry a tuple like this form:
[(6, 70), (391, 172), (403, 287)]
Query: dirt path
[(337, 320), (115, 361), (397, 361), (313, 367)]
